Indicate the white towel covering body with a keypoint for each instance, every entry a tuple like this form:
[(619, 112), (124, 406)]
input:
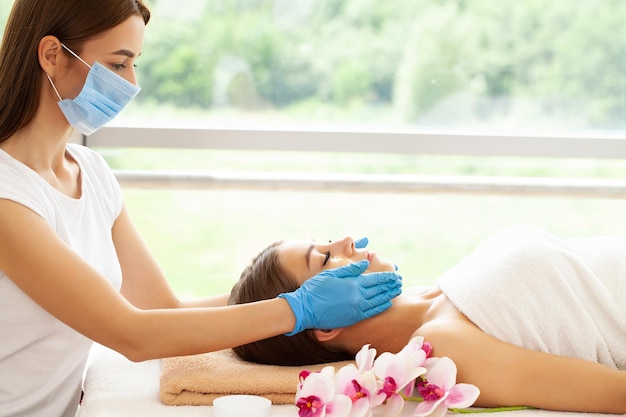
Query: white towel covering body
[(563, 296)]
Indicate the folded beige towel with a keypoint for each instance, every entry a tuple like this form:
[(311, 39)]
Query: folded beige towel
[(199, 379)]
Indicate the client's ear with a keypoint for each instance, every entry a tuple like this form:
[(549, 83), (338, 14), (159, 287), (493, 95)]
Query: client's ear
[(326, 335)]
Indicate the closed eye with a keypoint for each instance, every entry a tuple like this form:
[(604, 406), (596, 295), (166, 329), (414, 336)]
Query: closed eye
[(327, 258), (120, 67)]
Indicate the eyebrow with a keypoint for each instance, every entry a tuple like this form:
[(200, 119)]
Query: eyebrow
[(124, 52), (307, 256)]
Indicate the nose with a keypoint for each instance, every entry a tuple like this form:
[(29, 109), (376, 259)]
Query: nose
[(133, 76), (345, 246)]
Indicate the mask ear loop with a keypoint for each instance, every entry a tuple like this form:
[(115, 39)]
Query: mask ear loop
[(75, 55), (54, 88)]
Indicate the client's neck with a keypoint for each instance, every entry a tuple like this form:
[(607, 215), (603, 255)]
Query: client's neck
[(391, 330)]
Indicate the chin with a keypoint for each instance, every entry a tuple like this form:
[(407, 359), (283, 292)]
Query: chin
[(381, 266)]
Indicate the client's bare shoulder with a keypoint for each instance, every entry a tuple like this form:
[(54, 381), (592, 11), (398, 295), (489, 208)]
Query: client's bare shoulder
[(444, 325), (440, 307), (452, 335)]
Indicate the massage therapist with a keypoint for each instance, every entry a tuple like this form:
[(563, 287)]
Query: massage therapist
[(73, 268)]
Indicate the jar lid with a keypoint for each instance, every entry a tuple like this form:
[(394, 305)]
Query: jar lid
[(242, 405)]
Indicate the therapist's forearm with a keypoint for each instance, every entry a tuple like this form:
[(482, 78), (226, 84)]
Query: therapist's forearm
[(162, 333)]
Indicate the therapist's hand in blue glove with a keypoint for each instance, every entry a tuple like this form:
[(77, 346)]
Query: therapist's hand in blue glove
[(361, 243), (342, 296)]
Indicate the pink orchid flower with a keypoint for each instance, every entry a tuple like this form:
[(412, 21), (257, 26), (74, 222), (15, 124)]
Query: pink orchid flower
[(365, 358), (316, 396), (398, 372), (422, 344), (414, 353), (440, 391), (302, 377), (361, 388)]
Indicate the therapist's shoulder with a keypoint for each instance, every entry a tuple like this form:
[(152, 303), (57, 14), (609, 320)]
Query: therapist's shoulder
[(86, 156)]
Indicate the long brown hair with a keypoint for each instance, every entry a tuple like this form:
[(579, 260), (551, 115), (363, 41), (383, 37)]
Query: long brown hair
[(264, 279), (71, 21)]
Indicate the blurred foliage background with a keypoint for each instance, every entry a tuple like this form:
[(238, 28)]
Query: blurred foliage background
[(445, 63)]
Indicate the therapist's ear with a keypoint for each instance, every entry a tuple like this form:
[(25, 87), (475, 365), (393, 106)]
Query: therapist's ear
[(326, 335), (49, 52)]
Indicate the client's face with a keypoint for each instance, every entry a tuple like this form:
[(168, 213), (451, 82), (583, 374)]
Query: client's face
[(304, 259)]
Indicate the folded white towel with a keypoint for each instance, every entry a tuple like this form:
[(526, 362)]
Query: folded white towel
[(563, 296)]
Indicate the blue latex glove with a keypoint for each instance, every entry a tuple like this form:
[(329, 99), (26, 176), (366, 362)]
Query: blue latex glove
[(361, 243), (342, 296)]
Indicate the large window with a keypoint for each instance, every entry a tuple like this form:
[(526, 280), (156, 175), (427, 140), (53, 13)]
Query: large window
[(497, 66)]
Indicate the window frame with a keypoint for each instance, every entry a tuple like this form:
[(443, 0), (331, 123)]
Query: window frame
[(426, 142), (598, 145)]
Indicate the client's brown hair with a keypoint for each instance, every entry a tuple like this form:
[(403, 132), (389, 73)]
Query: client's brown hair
[(264, 279)]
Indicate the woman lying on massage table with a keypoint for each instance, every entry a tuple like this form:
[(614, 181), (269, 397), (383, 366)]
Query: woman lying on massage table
[(528, 318)]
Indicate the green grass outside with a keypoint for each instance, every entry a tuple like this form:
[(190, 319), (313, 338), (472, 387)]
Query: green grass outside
[(204, 238)]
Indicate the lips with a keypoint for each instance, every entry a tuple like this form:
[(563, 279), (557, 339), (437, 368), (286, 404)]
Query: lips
[(370, 256)]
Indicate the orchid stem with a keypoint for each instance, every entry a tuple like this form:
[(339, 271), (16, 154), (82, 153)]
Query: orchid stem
[(489, 410), (472, 410), (414, 399)]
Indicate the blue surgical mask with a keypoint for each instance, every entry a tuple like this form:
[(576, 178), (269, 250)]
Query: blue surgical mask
[(103, 97)]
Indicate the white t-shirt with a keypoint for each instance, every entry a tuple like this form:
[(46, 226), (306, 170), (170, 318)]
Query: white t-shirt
[(41, 359)]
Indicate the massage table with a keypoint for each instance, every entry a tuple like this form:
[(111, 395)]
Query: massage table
[(117, 387)]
